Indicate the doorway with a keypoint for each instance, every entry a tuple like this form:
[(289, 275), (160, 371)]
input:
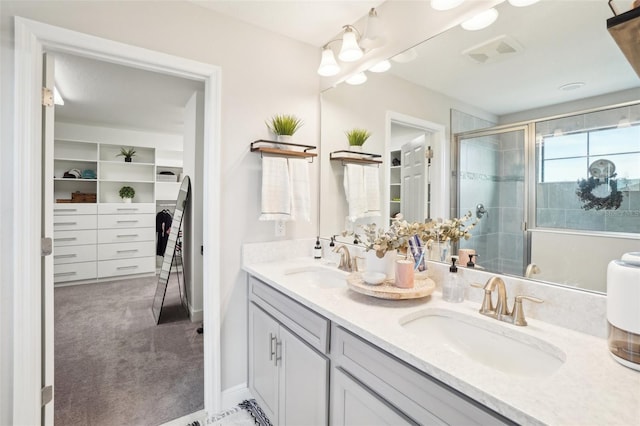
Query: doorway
[(32, 38)]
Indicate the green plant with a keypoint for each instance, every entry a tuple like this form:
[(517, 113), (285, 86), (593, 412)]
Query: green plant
[(357, 137), (284, 124), (126, 152), (127, 192)]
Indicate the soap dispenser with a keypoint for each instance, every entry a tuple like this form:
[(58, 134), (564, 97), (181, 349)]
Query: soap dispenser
[(453, 286), (317, 249), (470, 263)]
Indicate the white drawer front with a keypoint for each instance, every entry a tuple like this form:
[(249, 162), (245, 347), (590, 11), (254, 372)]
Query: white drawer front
[(74, 208), (74, 254), (74, 271), (75, 222), (126, 235), (141, 265), (126, 221), (74, 238), (122, 208), (126, 250)]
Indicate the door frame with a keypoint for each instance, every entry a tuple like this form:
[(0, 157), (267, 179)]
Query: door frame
[(32, 38)]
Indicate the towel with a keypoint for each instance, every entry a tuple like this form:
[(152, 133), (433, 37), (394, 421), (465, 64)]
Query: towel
[(354, 191), (276, 189), (300, 189), (372, 190)]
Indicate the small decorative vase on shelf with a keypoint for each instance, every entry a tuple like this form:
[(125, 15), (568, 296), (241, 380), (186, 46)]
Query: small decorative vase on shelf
[(355, 148), (386, 264), (126, 200), (127, 159), (286, 139)]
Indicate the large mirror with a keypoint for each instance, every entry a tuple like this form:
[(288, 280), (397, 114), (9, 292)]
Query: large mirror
[(545, 60)]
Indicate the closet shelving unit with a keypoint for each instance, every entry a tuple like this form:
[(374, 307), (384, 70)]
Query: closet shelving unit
[(395, 183), (347, 156), (264, 146)]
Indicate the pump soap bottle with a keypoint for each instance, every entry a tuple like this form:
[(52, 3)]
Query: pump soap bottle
[(317, 250), (453, 286)]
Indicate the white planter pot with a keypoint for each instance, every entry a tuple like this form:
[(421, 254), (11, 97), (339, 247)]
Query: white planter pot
[(286, 139), (126, 200), (386, 265)]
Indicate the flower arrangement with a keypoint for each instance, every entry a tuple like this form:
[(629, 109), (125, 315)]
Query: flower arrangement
[(400, 232)]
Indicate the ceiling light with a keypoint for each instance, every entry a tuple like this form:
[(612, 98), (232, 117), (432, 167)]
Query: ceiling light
[(481, 20), (350, 50), (381, 66), (571, 86), (356, 79), (374, 33), (57, 98), (406, 56), (328, 65), (445, 4), (522, 3)]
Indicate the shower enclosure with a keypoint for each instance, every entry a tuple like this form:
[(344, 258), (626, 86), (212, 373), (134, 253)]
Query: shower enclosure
[(490, 174)]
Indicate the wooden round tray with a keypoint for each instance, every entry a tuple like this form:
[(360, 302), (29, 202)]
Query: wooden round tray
[(422, 287)]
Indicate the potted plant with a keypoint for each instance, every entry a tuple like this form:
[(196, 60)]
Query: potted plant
[(127, 153), (357, 138), (127, 193), (284, 126)]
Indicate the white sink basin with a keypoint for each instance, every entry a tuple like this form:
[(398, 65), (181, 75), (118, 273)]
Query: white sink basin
[(318, 276), (499, 346)]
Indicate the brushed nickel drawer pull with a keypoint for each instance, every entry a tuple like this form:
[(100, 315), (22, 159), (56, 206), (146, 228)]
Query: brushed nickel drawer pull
[(127, 209), (65, 223), (126, 221), (64, 256), (63, 274), (65, 239), (127, 251), (126, 235), (65, 210), (127, 267)]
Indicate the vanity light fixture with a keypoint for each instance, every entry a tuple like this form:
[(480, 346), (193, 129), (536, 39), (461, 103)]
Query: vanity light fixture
[(481, 20), (328, 65), (356, 79), (381, 66), (350, 50), (522, 3), (57, 97), (445, 4), (374, 32)]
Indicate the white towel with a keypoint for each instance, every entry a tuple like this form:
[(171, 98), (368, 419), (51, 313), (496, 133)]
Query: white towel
[(300, 189), (354, 191), (276, 189), (372, 190)]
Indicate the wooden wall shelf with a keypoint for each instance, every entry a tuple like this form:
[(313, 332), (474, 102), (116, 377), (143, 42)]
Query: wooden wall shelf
[(264, 146), (347, 156)]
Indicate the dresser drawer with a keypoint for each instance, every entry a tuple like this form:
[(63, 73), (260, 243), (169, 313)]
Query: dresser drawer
[(74, 208), (110, 221), (126, 250), (74, 238), (74, 254), (126, 235), (122, 208), (74, 222), (74, 271), (141, 265)]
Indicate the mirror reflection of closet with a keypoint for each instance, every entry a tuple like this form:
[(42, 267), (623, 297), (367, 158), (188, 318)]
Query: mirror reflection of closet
[(172, 253)]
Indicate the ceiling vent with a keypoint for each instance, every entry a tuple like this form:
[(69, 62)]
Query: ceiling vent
[(496, 49)]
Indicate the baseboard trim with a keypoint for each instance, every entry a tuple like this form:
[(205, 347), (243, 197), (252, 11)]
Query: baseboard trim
[(235, 395), (195, 315)]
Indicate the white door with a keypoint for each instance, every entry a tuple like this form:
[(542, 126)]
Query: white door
[(413, 180), (263, 370), (303, 383), (47, 231)]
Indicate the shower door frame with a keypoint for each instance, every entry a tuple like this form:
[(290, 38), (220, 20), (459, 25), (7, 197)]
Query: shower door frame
[(528, 205)]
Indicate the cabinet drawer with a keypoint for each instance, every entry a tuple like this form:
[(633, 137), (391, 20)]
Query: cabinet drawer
[(126, 250), (74, 208), (420, 397), (126, 235), (74, 271), (310, 326), (128, 208), (74, 254), (141, 265), (74, 222), (74, 238), (126, 221)]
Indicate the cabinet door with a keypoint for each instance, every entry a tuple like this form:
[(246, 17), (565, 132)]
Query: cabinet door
[(263, 371), (354, 405), (303, 382)]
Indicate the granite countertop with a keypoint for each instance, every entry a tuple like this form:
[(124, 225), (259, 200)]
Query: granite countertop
[(590, 388)]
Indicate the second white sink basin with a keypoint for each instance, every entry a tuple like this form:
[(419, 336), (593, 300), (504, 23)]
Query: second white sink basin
[(498, 346), (318, 276)]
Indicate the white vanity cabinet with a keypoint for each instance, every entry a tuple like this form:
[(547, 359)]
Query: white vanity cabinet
[(288, 366), (368, 383)]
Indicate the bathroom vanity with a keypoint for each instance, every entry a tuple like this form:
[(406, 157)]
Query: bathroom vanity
[(321, 353)]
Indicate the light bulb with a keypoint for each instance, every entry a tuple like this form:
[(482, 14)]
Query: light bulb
[(328, 65), (350, 50), (374, 34)]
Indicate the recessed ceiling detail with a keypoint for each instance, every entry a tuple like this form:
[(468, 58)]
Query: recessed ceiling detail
[(496, 49)]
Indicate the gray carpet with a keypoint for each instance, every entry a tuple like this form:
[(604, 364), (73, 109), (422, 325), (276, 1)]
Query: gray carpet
[(114, 366)]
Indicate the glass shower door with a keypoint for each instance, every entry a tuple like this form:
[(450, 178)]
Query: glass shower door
[(490, 177)]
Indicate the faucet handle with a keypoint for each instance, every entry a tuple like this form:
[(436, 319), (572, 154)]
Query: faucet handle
[(518, 312), (354, 263), (487, 304)]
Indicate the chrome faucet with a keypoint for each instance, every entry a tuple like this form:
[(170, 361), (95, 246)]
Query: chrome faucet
[(345, 258), (501, 310)]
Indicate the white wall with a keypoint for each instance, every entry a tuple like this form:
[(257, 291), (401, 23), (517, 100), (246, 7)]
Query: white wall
[(117, 136), (262, 74)]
